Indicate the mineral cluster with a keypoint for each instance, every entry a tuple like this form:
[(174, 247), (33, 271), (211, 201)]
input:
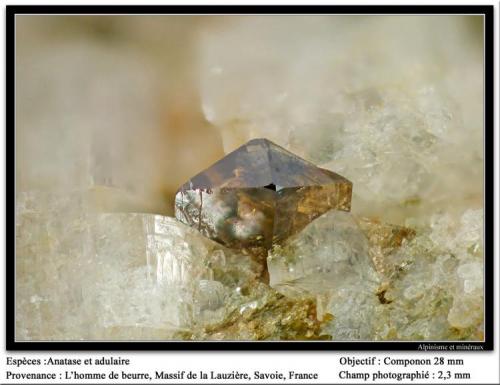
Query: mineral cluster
[(327, 275), (264, 245)]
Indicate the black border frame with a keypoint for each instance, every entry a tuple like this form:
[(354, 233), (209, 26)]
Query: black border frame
[(489, 137)]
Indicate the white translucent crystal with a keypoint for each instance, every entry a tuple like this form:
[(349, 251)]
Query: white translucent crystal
[(330, 260), (437, 292), (434, 290), (331, 248), (468, 305), (136, 276)]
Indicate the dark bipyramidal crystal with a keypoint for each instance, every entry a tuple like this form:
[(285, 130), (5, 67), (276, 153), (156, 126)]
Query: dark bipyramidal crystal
[(259, 195)]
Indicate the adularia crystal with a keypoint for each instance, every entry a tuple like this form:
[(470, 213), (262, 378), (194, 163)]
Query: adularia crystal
[(259, 195)]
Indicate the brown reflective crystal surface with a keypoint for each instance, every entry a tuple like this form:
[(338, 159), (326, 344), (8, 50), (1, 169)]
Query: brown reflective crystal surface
[(258, 195)]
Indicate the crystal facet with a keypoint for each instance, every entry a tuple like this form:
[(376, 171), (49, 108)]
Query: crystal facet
[(259, 195)]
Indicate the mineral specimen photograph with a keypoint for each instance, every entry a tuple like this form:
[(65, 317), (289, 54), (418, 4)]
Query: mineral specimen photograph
[(249, 177)]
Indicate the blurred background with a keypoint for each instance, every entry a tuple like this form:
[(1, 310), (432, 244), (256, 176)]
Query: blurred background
[(130, 107)]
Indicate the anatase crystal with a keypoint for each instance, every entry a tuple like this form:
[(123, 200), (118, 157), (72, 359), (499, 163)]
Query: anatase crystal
[(259, 195)]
